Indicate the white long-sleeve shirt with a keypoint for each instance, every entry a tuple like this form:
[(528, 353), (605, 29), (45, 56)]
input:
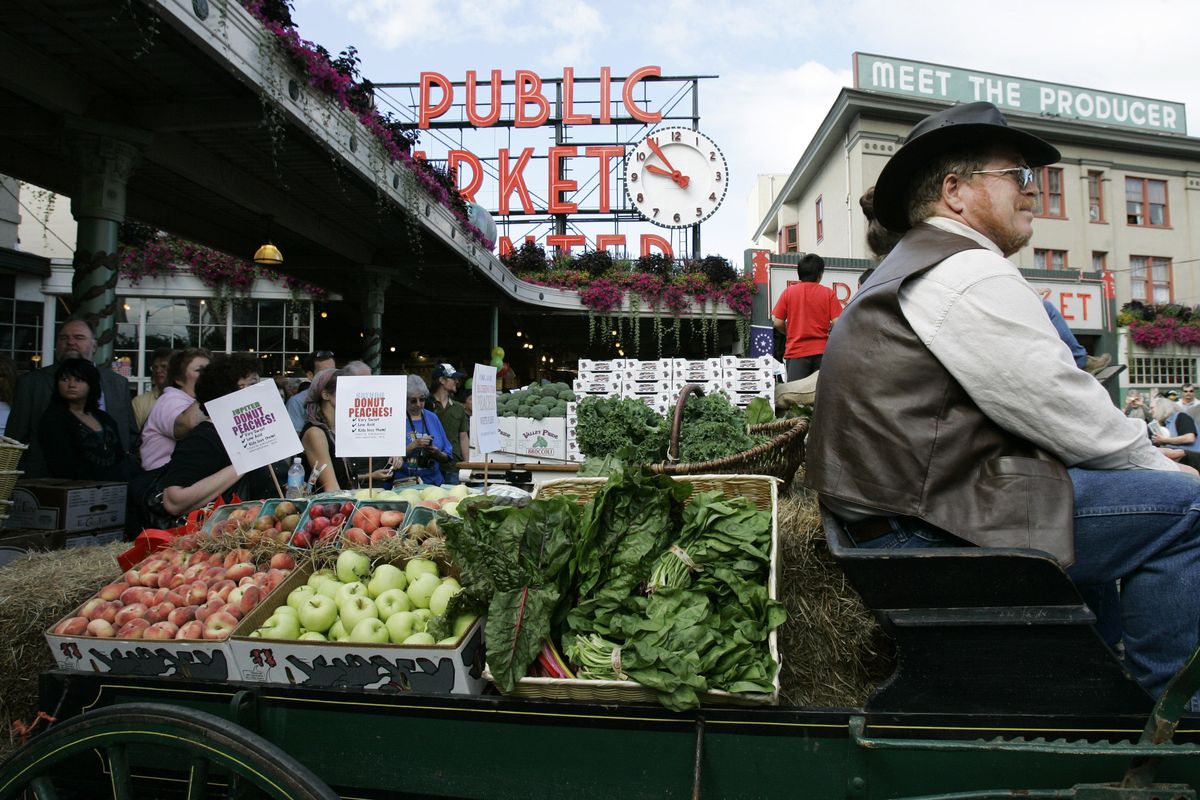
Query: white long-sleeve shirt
[(987, 326)]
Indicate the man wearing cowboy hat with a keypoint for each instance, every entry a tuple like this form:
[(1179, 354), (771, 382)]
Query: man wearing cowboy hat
[(940, 419)]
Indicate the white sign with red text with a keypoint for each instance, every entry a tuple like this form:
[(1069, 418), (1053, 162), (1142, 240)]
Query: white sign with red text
[(370, 415), (254, 426)]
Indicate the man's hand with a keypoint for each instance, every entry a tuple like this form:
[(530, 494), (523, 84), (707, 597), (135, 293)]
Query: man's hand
[(1184, 468)]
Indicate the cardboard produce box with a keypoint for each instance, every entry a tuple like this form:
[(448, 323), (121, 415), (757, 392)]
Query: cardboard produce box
[(542, 438), (385, 667), (53, 504)]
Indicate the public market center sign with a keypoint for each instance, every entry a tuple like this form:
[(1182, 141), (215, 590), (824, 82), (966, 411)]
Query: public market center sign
[(917, 79)]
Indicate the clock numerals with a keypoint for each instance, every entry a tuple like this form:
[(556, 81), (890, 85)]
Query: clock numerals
[(633, 177), (717, 176), (699, 212), (676, 218), (712, 198), (641, 198), (655, 211), (641, 156), (676, 136), (712, 155)]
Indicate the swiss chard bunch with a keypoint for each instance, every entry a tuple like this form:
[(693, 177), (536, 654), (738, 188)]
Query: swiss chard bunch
[(516, 562)]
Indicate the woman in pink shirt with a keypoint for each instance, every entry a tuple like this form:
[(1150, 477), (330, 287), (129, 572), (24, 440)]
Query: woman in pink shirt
[(169, 419)]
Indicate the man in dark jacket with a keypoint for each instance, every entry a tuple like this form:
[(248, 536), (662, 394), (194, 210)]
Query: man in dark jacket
[(34, 389), (939, 418)]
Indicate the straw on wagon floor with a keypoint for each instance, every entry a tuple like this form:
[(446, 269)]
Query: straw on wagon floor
[(36, 591)]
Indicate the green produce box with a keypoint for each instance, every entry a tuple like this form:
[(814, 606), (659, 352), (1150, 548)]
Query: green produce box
[(763, 491), (384, 667)]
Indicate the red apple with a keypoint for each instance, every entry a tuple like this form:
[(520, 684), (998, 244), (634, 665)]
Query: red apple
[(302, 539), (130, 612), (316, 510), (101, 628), (72, 626), (347, 507), (161, 630)]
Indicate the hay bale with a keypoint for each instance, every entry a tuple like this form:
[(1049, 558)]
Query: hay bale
[(834, 652), (36, 591)]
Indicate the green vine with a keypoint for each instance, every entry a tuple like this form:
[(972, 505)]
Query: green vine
[(678, 325), (658, 330), (743, 333), (635, 305), (716, 328), (591, 327)]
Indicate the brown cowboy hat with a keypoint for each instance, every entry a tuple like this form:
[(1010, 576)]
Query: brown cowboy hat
[(959, 126)]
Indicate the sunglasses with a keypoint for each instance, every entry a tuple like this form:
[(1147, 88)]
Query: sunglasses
[(1024, 176), (323, 355)]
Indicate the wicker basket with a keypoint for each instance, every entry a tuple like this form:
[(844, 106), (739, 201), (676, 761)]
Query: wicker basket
[(763, 492), (779, 456)]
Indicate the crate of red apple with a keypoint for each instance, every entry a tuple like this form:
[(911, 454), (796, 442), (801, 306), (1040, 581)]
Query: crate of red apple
[(322, 523), (168, 616)]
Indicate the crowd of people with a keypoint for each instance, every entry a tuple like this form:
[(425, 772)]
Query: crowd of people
[(80, 423)]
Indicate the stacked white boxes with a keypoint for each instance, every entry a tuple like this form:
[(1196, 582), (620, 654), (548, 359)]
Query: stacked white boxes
[(743, 379)]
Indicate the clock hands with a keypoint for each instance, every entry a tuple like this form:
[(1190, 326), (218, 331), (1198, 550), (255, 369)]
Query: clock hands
[(674, 174)]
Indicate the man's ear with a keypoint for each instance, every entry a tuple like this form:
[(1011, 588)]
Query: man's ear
[(952, 187)]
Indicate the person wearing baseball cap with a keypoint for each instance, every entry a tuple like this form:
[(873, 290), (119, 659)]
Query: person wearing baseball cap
[(947, 376), (445, 381)]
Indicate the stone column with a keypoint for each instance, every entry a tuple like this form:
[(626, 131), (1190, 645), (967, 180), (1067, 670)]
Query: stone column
[(98, 205), (377, 284)]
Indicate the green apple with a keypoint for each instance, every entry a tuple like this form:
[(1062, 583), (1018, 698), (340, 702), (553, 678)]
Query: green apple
[(352, 566), (420, 639), (289, 610), (449, 640), (329, 587), (458, 491), (280, 626), (451, 508), (410, 496), (315, 579), (421, 589), (442, 594), (318, 613), (384, 578), (400, 626), (369, 630), (337, 633), (312, 636), (348, 590), (462, 624), (421, 617), (300, 594), (355, 610), (433, 493), (391, 602), (417, 567)]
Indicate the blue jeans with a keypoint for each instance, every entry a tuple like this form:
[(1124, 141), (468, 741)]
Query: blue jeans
[(1141, 527), (1064, 332)]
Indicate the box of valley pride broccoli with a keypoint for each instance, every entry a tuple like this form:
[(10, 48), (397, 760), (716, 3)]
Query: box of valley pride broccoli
[(388, 657)]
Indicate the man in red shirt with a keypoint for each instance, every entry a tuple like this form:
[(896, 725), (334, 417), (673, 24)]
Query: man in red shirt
[(806, 311)]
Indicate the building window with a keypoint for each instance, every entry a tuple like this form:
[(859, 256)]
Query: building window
[(1150, 279), (20, 327), (820, 219), (789, 239), (1099, 261), (1049, 259), (1095, 184), (276, 331), (1161, 370), (1146, 202), (1050, 193)]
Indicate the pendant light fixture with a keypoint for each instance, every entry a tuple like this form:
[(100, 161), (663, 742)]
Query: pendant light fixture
[(268, 255)]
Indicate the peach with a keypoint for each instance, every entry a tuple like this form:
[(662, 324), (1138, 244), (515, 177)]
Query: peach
[(197, 593), (72, 626), (134, 629), (239, 570), (160, 612), (130, 613), (191, 630), (236, 557), (182, 614), (219, 625), (101, 628), (112, 591), (251, 596), (357, 536), (107, 611), (222, 588), (131, 595), (161, 630), (208, 609), (283, 561), (88, 608)]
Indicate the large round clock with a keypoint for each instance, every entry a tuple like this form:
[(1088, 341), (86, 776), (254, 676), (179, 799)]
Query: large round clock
[(676, 177)]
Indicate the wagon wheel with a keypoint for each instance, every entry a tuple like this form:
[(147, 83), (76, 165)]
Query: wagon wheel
[(253, 766)]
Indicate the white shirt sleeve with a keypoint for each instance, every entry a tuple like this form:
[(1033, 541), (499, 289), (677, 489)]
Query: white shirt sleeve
[(987, 326)]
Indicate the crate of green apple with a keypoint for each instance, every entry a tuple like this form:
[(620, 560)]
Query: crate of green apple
[(364, 625), (171, 615)]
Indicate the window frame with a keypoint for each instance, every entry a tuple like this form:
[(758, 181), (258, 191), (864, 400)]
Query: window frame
[(1095, 179), (794, 245), (1044, 194), (820, 213), (1148, 283), (1048, 254), (1145, 204)]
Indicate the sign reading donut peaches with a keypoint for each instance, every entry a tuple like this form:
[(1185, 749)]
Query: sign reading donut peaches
[(369, 413), (254, 426)]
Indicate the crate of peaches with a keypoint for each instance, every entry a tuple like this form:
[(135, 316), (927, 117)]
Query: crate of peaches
[(169, 615), (232, 518)]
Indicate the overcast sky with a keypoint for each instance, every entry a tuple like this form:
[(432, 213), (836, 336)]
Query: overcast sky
[(781, 62)]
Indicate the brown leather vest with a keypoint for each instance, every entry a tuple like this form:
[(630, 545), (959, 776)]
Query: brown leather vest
[(894, 431)]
